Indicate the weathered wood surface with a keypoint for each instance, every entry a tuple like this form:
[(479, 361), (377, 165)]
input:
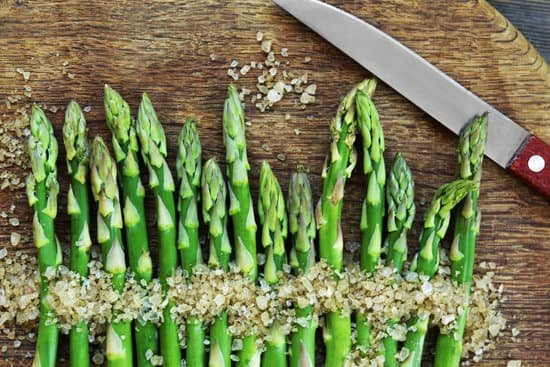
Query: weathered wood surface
[(163, 48), (532, 18)]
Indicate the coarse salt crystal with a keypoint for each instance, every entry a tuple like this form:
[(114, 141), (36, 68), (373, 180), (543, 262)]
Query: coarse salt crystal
[(259, 36), (245, 69), (266, 46), (306, 98), (15, 238), (274, 96), (311, 89)]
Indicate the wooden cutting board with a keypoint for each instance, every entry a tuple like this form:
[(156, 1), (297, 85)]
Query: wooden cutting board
[(163, 48)]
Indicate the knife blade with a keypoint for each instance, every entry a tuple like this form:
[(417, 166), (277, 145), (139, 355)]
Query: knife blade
[(508, 144)]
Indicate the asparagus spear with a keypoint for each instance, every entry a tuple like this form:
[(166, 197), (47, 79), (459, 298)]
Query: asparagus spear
[(42, 190), (374, 168), (436, 222), (301, 223), (240, 209), (274, 222), (122, 126), (189, 174), (109, 235), (338, 167), (214, 212), (75, 138), (153, 149), (401, 210), (470, 157)]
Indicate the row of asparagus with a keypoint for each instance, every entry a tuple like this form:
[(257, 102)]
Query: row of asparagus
[(387, 214)]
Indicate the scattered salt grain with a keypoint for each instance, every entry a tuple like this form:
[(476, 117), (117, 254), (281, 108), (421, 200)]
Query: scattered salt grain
[(513, 363), (234, 64), (311, 89), (212, 57), (245, 69), (14, 221), (266, 46), (281, 157), (306, 98), (284, 52), (87, 109), (26, 74), (259, 36), (15, 238), (307, 59), (274, 96)]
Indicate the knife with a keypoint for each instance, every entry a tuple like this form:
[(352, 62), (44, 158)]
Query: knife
[(508, 144)]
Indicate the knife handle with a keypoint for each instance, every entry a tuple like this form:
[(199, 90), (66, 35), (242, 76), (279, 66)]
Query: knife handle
[(532, 163)]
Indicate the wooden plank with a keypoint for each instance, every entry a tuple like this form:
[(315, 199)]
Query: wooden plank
[(532, 18), (163, 48)]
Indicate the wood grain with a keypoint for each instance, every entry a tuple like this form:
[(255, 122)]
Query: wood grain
[(163, 47), (532, 18)]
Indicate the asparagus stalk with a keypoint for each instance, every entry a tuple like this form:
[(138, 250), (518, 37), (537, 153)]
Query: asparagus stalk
[(301, 223), (274, 222), (188, 168), (122, 126), (42, 191), (436, 222), (401, 210), (75, 138), (214, 212), (109, 235), (153, 149), (240, 209), (338, 167), (374, 168), (471, 149)]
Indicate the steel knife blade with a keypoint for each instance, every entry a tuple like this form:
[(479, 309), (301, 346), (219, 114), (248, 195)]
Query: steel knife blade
[(508, 144)]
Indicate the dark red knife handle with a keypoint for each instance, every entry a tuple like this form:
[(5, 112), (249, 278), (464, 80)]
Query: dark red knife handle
[(532, 163)]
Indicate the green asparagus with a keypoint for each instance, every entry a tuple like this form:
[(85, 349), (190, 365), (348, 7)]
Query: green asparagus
[(374, 168), (214, 212), (241, 209), (42, 191), (153, 149), (301, 225), (75, 138), (338, 167), (188, 168), (471, 149), (274, 224), (436, 222), (109, 235), (400, 216), (122, 126)]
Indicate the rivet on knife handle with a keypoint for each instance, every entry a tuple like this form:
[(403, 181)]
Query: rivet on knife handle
[(532, 163)]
